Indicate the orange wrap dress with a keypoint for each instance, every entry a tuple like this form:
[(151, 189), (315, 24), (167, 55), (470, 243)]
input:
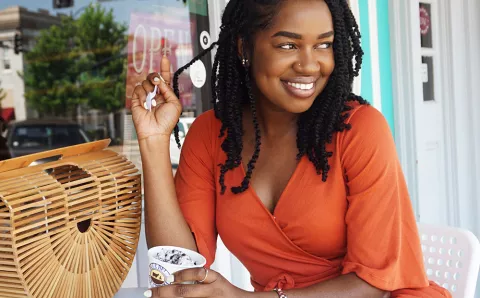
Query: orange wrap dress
[(360, 220)]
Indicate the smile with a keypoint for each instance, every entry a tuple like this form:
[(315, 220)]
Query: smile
[(301, 86), (299, 90)]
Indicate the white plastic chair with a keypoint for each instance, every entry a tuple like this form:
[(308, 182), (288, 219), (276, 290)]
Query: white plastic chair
[(231, 268), (451, 257)]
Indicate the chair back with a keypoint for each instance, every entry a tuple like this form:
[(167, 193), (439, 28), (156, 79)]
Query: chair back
[(451, 257)]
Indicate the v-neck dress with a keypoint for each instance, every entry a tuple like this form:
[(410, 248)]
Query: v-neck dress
[(359, 221)]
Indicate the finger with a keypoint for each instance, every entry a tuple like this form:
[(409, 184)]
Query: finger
[(138, 97), (167, 93), (185, 291), (159, 99), (165, 69), (154, 79), (148, 86), (203, 275)]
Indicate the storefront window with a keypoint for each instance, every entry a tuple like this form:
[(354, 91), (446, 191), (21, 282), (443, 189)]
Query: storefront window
[(78, 61)]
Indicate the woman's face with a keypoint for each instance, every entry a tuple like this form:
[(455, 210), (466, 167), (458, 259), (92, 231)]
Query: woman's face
[(293, 59)]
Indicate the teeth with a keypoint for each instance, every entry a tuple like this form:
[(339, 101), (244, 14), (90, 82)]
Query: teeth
[(301, 86)]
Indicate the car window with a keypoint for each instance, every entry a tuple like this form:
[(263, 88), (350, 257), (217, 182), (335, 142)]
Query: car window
[(45, 136), (28, 137)]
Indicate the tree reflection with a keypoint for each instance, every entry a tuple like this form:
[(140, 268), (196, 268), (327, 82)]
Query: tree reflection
[(81, 63)]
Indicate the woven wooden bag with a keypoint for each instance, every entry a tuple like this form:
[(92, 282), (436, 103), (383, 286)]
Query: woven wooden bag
[(68, 228)]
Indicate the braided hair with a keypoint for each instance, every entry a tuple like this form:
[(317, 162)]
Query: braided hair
[(232, 85)]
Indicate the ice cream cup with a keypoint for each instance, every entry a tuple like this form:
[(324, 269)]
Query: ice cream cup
[(159, 270)]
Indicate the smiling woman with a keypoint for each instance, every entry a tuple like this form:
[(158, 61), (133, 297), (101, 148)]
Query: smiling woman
[(281, 55), (298, 175)]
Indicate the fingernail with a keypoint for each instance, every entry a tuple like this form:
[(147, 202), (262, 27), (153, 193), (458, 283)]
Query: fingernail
[(170, 279), (154, 103), (145, 106), (148, 293), (157, 79)]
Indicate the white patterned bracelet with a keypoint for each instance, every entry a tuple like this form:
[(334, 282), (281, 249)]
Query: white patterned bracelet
[(280, 293)]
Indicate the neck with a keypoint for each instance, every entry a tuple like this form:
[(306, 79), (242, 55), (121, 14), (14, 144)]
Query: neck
[(274, 122)]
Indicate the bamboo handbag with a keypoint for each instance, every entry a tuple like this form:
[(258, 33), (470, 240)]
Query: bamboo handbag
[(68, 228)]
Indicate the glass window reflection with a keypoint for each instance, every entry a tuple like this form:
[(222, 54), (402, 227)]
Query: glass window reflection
[(81, 63)]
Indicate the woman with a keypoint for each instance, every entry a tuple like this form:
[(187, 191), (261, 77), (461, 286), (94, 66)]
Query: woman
[(297, 175)]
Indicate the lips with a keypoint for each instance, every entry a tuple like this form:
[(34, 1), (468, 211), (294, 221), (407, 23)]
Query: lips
[(300, 88)]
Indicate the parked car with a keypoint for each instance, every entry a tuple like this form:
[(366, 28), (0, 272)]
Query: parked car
[(37, 135), (183, 125)]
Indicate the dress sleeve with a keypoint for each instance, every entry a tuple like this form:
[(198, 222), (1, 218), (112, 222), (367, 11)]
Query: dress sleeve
[(195, 186), (383, 245)]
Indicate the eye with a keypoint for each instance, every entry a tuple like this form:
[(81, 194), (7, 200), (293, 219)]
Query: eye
[(287, 46), (325, 45)]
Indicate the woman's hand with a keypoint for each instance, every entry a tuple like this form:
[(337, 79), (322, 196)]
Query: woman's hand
[(213, 285), (166, 107)]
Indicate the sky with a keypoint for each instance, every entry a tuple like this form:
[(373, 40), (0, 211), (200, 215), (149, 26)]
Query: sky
[(121, 8)]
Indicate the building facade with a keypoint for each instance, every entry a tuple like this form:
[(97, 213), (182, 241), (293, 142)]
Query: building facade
[(27, 24)]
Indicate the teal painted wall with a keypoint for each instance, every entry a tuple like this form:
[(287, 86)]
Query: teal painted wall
[(384, 57), (385, 62), (367, 91)]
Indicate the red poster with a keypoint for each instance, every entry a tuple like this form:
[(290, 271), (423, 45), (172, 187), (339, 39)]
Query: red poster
[(424, 21), (150, 36)]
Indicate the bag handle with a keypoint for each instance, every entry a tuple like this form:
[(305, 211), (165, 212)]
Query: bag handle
[(25, 161)]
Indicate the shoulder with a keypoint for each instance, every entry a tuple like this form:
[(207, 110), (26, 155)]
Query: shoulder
[(206, 119), (363, 113), (367, 149), (369, 131), (366, 120), (204, 132), (205, 124)]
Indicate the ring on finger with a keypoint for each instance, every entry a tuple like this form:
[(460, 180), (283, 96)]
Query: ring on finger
[(206, 275)]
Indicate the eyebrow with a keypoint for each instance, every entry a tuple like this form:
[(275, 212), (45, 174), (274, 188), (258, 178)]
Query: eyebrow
[(298, 36)]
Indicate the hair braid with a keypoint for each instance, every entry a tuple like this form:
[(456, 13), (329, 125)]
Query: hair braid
[(175, 82), (256, 152)]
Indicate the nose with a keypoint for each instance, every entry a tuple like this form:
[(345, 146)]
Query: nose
[(307, 63)]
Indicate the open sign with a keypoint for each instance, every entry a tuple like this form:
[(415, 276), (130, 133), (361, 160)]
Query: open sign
[(152, 35)]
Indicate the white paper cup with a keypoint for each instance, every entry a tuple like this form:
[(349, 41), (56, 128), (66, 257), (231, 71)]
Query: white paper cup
[(158, 270)]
